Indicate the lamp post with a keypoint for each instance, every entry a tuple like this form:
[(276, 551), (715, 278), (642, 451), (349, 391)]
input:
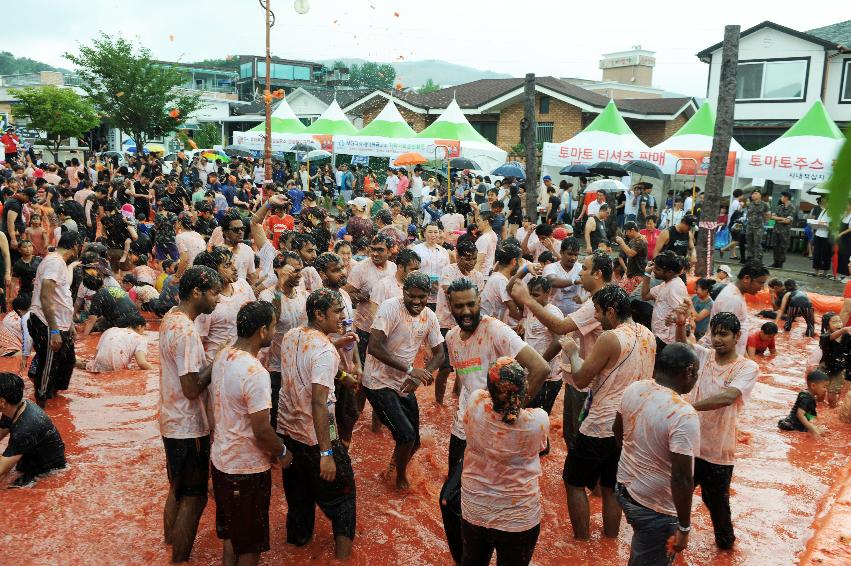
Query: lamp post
[(301, 7)]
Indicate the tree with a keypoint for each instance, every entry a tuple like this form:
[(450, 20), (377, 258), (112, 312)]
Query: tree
[(372, 76), (429, 86), (138, 95), (11, 65), (59, 112), (208, 135)]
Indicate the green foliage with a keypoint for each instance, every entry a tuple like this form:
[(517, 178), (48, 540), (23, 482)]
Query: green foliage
[(59, 112), (840, 182), (136, 93), (207, 135), (338, 65), (231, 63), (11, 65), (429, 86), (372, 75), (518, 149)]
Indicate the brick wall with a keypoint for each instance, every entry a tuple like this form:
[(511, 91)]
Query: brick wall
[(566, 119), (655, 132), (417, 121)]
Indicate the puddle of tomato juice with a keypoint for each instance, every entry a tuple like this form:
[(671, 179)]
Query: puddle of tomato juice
[(109, 501)]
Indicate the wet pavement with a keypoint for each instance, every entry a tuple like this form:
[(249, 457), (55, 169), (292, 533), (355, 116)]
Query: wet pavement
[(106, 507)]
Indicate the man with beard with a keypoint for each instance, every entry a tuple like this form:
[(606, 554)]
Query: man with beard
[(184, 377), (333, 273), (474, 345), (51, 324), (623, 354), (400, 327), (305, 246)]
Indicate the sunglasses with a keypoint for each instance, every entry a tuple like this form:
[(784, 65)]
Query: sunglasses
[(235, 229)]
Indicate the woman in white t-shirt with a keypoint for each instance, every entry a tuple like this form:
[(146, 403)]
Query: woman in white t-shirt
[(500, 495)]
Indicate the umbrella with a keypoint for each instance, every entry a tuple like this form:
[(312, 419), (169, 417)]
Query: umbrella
[(609, 169), (608, 185), (510, 169), (644, 169), (132, 149), (408, 159), (239, 151), (315, 155), (303, 146), (463, 163), (155, 148), (577, 170), (214, 155), (818, 190)]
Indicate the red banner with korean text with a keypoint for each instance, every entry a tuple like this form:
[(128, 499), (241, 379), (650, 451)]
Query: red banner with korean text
[(685, 162)]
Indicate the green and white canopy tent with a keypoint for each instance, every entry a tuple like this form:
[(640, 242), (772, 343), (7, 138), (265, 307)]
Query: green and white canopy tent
[(607, 138), (332, 122), (452, 126), (805, 153), (388, 124), (694, 141), (287, 130)]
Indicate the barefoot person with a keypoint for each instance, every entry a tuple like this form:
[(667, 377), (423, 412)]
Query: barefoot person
[(723, 387), (184, 377), (321, 473), (623, 354), (244, 444), (660, 436), (401, 326), (500, 496)]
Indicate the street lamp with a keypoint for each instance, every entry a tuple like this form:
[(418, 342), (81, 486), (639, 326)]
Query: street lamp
[(301, 7)]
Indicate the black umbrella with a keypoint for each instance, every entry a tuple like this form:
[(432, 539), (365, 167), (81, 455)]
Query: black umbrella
[(644, 169), (577, 170), (239, 151), (303, 147), (608, 169), (463, 163)]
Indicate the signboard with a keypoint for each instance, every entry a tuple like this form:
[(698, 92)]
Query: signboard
[(360, 160), (682, 160)]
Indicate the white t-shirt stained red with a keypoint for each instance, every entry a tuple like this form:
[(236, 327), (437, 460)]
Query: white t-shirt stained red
[(53, 267), (117, 347), (181, 352), (486, 244), (219, 327), (449, 274), (539, 337), (363, 277)]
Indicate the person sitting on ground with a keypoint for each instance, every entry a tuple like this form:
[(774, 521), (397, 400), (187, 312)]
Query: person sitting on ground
[(140, 292), (803, 414), (14, 333), (796, 303), (118, 347), (35, 446), (169, 267), (762, 340)]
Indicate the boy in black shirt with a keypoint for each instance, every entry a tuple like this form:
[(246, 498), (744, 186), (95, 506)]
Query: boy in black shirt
[(35, 446), (803, 412), (25, 267)]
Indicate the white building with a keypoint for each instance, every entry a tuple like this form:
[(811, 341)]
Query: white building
[(781, 73)]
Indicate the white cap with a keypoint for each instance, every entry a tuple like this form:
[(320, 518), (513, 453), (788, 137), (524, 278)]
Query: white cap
[(360, 202), (726, 269)]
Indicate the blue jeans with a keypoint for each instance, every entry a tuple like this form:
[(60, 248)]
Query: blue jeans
[(650, 532)]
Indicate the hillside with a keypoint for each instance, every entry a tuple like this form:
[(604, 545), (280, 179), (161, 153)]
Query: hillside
[(11, 65), (415, 73)]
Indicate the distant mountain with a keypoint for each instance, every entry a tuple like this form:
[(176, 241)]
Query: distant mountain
[(11, 65), (415, 73)]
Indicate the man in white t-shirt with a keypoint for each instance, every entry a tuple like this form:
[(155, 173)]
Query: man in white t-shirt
[(189, 243), (495, 300), (51, 324), (417, 189), (563, 276), (724, 384), (623, 354), (400, 327), (233, 230), (321, 473), (750, 280), (184, 377), (668, 296), (244, 443), (594, 205), (660, 436), (433, 258)]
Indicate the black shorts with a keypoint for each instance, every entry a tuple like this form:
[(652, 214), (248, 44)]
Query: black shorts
[(592, 460), (547, 395), (188, 465), (242, 509), (399, 414), (445, 365)]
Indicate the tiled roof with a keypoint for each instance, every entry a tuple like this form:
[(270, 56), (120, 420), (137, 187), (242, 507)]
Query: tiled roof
[(652, 105), (838, 33), (807, 36)]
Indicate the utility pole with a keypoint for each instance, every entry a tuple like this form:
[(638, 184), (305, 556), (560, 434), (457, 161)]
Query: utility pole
[(720, 149), (267, 96), (529, 128)]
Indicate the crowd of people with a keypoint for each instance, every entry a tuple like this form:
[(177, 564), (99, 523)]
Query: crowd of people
[(283, 307)]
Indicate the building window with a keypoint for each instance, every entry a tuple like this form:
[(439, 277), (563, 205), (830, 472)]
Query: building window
[(486, 129), (545, 132), (301, 73), (544, 105), (845, 94), (772, 80), (245, 70)]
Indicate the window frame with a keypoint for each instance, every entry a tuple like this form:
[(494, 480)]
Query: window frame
[(845, 80), (806, 81), (539, 137), (541, 100)]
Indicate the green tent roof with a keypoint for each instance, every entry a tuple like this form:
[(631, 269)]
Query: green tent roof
[(389, 124), (609, 120), (284, 121), (816, 122), (452, 125), (332, 122), (701, 124)]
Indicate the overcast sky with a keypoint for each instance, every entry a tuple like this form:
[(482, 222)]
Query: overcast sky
[(567, 38)]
